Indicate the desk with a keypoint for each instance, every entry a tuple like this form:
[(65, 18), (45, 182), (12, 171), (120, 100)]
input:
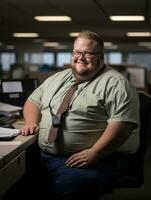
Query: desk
[(13, 160)]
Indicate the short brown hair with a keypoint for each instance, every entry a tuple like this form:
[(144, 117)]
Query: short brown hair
[(92, 36)]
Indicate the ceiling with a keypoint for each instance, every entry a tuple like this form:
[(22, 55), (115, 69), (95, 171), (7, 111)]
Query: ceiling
[(18, 16)]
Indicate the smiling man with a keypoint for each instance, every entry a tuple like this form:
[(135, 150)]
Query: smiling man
[(87, 58), (102, 118)]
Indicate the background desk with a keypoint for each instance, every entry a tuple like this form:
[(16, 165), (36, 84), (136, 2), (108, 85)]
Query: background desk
[(13, 161)]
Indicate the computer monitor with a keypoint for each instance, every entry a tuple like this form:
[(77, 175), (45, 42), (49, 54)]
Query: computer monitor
[(16, 91)]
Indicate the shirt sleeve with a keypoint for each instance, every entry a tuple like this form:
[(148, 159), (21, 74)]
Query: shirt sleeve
[(36, 96), (122, 102)]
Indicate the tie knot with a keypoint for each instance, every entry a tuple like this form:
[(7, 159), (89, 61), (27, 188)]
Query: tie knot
[(77, 82), (75, 85)]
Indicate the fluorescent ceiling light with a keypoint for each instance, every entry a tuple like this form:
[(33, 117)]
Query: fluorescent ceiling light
[(10, 47), (127, 18), (144, 43), (111, 47), (38, 40), (51, 44), (108, 44), (61, 47), (53, 18), (73, 34), (25, 34), (138, 34)]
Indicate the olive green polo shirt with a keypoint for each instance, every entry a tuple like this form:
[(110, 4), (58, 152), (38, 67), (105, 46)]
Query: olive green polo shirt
[(108, 98)]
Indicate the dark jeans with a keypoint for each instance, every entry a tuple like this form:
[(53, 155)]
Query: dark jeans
[(67, 183)]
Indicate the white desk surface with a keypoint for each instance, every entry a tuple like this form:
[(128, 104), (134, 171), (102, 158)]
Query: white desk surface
[(12, 159), (10, 149)]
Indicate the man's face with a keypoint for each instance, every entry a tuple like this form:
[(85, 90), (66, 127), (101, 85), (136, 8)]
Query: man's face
[(85, 61)]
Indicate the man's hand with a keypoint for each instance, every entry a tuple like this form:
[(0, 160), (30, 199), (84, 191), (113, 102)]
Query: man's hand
[(29, 129), (83, 158)]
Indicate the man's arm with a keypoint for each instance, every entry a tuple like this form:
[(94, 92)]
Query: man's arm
[(115, 134), (32, 116)]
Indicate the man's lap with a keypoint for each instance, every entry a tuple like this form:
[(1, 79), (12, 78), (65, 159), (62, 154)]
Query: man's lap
[(67, 180)]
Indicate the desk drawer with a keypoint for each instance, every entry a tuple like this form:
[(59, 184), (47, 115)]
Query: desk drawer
[(12, 172)]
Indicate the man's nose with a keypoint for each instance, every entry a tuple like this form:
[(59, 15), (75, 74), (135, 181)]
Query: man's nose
[(82, 56)]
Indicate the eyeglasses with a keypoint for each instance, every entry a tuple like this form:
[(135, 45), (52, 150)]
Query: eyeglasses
[(86, 54)]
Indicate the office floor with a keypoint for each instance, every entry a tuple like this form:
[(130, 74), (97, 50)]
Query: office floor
[(141, 193)]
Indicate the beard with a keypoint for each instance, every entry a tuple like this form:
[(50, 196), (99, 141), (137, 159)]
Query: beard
[(84, 72)]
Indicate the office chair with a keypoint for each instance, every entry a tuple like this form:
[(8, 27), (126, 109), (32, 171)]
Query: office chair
[(131, 166)]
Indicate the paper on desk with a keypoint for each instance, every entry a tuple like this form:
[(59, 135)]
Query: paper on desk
[(8, 108), (8, 132)]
